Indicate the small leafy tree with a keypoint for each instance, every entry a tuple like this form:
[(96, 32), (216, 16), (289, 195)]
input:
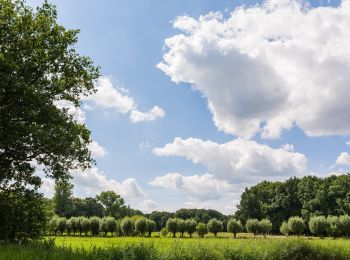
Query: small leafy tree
[(296, 225), (181, 226), (284, 229), (53, 224), (164, 232), (104, 226), (86, 226), (215, 226), (111, 225), (234, 226), (95, 225), (141, 226), (202, 229), (171, 225), (265, 226), (150, 226), (80, 224), (344, 225), (318, 225), (62, 225), (69, 226), (191, 225), (332, 228), (127, 226), (253, 226)]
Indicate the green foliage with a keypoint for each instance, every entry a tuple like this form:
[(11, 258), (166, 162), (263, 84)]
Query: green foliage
[(22, 215), (253, 226), (199, 215), (181, 226), (202, 229), (318, 225), (171, 226), (141, 226), (284, 229), (296, 225), (62, 225), (113, 204), (150, 226), (62, 198), (191, 225), (332, 228), (86, 225), (127, 226), (74, 224), (344, 225), (164, 232), (215, 226), (95, 225), (160, 217), (234, 226), (53, 224), (265, 226), (80, 224)]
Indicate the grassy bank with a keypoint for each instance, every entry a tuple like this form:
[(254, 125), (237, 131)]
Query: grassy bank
[(167, 248)]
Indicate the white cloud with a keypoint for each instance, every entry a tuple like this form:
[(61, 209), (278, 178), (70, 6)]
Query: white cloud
[(239, 161), (97, 150), (151, 115), (269, 67), (343, 159), (199, 188), (348, 143), (114, 97), (76, 112)]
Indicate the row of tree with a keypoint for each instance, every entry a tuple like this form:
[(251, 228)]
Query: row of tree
[(331, 226), (302, 197)]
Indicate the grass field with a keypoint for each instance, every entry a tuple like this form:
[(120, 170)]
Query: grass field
[(223, 247)]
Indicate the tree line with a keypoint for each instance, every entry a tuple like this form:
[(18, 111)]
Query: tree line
[(303, 197)]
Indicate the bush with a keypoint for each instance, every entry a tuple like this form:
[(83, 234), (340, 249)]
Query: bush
[(265, 226), (253, 226), (53, 225), (344, 225), (150, 227), (181, 226), (296, 225), (190, 226), (164, 232), (74, 224), (95, 225), (234, 226), (86, 226), (127, 226), (202, 229), (62, 225), (318, 225), (332, 228), (69, 227), (215, 226), (112, 225), (284, 228), (171, 226), (141, 226), (80, 224)]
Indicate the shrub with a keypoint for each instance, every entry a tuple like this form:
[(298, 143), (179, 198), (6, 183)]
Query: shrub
[(80, 224), (127, 226), (62, 225), (190, 226), (74, 224), (234, 226), (104, 226), (332, 228), (344, 225), (181, 226), (252, 226), (171, 226), (318, 225), (265, 226), (150, 226), (69, 226), (141, 226), (95, 225), (202, 229), (119, 229), (215, 226), (112, 225), (296, 225), (284, 228), (164, 232)]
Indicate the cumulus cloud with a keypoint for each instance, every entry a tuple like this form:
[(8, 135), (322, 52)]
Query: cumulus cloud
[(348, 143), (269, 67), (199, 188), (238, 161), (114, 97), (151, 115), (97, 150), (343, 159)]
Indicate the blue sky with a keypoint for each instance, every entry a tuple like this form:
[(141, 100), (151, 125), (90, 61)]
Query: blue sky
[(127, 39)]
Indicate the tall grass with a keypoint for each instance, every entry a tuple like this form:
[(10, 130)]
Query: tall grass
[(280, 249)]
